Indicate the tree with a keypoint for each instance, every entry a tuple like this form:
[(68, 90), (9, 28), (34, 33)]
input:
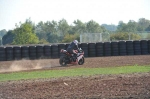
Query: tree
[(93, 27), (148, 28), (124, 36), (44, 30), (131, 26), (63, 27), (8, 38), (70, 37), (110, 27), (143, 24), (3, 32), (24, 34), (78, 27)]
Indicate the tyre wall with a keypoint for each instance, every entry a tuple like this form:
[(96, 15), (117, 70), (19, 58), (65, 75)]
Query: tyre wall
[(107, 49), (130, 48), (25, 52), (2, 54), (114, 48), (98, 49), (47, 51)]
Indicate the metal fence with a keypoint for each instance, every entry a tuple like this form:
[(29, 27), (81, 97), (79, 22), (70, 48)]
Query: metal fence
[(105, 37)]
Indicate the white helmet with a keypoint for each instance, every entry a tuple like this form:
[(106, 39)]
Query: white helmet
[(75, 41)]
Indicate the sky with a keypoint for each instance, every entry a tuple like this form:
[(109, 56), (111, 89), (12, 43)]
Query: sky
[(101, 11)]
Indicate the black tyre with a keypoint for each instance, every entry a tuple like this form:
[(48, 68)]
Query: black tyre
[(81, 61), (137, 47), (148, 46), (9, 53), (99, 49), (107, 48), (61, 46), (32, 52), (115, 48), (39, 52), (91, 49), (62, 61), (47, 51), (84, 47), (122, 48), (54, 51), (130, 50), (17, 52), (2, 54), (144, 47), (25, 52)]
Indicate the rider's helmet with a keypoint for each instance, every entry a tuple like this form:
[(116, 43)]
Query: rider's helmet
[(76, 42)]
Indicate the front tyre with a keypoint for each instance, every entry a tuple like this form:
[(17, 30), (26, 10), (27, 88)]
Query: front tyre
[(62, 61), (81, 61)]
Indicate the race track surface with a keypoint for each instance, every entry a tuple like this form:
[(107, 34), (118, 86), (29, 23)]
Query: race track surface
[(122, 86)]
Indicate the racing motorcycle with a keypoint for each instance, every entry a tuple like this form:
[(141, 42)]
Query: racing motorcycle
[(67, 58)]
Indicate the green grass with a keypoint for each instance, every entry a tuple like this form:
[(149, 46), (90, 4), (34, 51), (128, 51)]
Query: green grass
[(73, 72)]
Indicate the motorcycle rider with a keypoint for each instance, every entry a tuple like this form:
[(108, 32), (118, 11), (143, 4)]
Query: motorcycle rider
[(72, 49)]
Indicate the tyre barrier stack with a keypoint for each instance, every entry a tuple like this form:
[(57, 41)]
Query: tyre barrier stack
[(2, 54), (84, 47), (129, 46), (149, 46), (91, 50), (107, 48), (61, 46), (25, 52), (9, 53), (32, 52), (54, 51), (39, 52), (115, 48), (144, 47), (98, 49), (122, 48), (47, 51), (17, 52), (137, 47)]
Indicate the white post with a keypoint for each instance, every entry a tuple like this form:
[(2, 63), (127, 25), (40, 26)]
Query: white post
[(80, 38)]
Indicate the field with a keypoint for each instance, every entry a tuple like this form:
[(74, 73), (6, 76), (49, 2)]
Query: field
[(128, 85)]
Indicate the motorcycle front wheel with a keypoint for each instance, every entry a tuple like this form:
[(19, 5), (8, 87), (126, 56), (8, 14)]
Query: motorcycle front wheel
[(81, 61), (62, 61)]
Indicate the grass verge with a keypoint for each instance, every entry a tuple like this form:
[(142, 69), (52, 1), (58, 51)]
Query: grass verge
[(73, 72)]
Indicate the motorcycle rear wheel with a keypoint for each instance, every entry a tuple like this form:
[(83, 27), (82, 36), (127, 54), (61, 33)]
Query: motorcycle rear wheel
[(62, 61), (81, 61)]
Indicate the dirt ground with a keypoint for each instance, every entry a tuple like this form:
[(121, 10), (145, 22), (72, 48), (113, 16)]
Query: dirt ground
[(122, 86)]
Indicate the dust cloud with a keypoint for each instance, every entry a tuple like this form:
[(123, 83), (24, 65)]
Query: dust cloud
[(22, 65)]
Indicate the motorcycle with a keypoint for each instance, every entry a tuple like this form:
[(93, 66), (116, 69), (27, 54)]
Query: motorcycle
[(67, 58)]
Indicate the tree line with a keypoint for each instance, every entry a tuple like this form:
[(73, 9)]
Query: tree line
[(62, 32)]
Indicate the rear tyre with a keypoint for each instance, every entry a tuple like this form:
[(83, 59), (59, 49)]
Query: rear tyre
[(62, 61), (81, 61)]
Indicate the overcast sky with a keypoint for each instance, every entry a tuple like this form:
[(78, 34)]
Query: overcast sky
[(101, 11)]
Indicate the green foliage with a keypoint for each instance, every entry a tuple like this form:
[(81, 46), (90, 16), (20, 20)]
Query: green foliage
[(110, 27), (3, 32), (63, 27), (56, 32), (124, 36), (43, 41), (134, 36), (8, 38), (93, 27), (24, 34), (69, 38)]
